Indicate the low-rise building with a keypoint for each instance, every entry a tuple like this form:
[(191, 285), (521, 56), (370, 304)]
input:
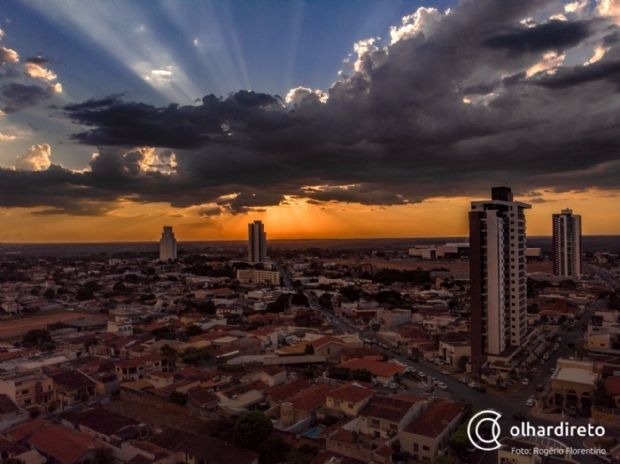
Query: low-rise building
[(386, 416), (428, 435)]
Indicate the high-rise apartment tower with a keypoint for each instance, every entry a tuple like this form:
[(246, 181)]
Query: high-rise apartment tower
[(257, 242), (567, 244), (498, 275), (167, 245)]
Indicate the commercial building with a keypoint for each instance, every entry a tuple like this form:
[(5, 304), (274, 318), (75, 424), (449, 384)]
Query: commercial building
[(567, 244), (498, 276), (167, 245), (257, 242)]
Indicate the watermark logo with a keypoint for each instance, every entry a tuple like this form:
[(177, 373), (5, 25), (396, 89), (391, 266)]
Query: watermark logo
[(484, 431)]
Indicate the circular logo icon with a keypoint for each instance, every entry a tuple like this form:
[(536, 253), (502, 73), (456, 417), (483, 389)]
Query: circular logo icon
[(484, 431)]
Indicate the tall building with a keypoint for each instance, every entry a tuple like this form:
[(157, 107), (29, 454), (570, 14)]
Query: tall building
[(567, 244), (498, 276), (257, 242), (167, 245)]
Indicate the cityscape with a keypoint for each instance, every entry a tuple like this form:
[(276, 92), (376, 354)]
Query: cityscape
[(256, 352), (309, 232)]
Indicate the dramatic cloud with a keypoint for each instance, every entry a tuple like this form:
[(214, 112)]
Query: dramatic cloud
[(36, 159), (37, 71), (16, 90), (18, 96), (6, 137), (450, 104), (8, 56)]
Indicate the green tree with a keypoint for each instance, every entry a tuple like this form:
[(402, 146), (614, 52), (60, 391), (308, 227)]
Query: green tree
[(302, 455), (38, 338), (102, 456), (273, 451), (178, 398), (458, 440), (251, 430), (193, 330)]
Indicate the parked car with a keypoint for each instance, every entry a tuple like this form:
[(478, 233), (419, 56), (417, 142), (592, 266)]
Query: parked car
[(525, 381), (540, 387), (530, 403)]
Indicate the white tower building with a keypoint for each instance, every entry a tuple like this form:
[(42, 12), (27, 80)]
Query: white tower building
[(567, 244), (167, 245), (257, 242), (498, 275)]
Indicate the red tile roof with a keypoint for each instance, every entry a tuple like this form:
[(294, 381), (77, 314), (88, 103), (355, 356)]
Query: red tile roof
[(311, 398), (612, 385), (391, 408), (62, 444), (435, 418), (285, 391), (25, 430), (376, 368), (351, 393)]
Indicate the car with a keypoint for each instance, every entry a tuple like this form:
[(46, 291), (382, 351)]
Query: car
[(571, 410), (525, 381), (520, 417), (422, 374), (393, 386), (546, 356), (442, 385), (552, 370), (540, 387), (530, 403)]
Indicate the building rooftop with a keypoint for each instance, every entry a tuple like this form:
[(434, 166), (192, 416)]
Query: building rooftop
[(435, 419)]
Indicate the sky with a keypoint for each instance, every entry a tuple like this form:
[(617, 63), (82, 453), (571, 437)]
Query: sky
[(323, 118)]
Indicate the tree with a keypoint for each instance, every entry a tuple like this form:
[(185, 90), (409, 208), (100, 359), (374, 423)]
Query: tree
[(459, 440), (462, 362), (193, 330), (273, 451), (251, 430), (102, 456), (302, 455), (167, 351), (299, 299), (38, 338), (178, 398)]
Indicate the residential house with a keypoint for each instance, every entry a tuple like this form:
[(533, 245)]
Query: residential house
[(28, 390), (385, 416), (348, 399), (72, 387), (201, 449), (139, 368), (383, 372), (428, 435), (10, 414)]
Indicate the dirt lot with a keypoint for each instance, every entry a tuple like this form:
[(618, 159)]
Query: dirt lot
[(16, 326)]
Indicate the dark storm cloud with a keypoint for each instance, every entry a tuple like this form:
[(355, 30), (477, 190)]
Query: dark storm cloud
[(578, 75), (554, 35), (449, 112), (17, 96), (37, 60)]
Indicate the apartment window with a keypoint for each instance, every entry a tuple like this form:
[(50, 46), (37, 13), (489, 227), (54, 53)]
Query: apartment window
[(425, 448)]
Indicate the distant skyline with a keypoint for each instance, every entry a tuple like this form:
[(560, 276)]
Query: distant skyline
[(323, 119)]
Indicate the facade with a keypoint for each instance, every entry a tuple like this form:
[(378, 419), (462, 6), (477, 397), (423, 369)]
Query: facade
[(167, 245), (29, 390), (428, 435), (258, 276), (498, 275), (567, 244), (257, 242)]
